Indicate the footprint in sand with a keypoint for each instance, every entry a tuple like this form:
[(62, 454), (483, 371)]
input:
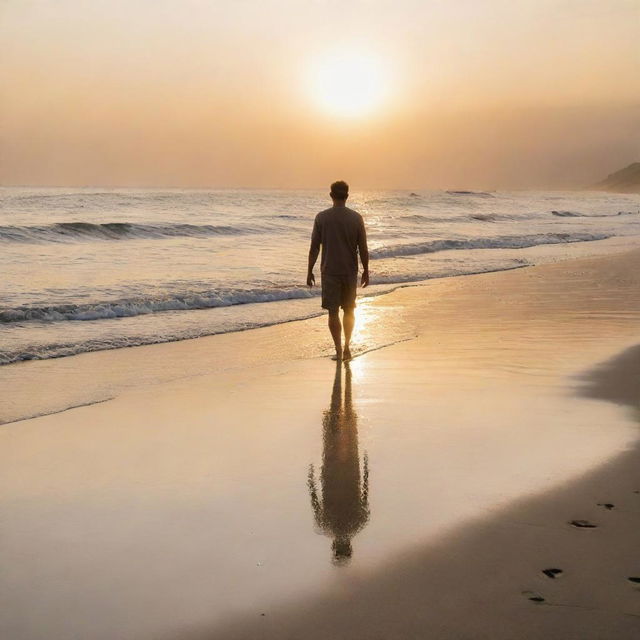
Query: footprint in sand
[(583, 524), (533, 596), (607, 505), (552, 573)]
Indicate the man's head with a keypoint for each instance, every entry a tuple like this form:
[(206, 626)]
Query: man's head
[(342, 550), (339, 191)]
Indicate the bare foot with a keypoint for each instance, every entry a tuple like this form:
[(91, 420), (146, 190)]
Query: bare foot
[(346, 354), (337, 356)]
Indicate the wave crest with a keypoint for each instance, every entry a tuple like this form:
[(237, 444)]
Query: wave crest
[(577, 214), (499, 242), (153, 304), (89, 231)]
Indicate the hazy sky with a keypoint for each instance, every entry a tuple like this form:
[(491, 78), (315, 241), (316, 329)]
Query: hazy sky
[(473, 93)]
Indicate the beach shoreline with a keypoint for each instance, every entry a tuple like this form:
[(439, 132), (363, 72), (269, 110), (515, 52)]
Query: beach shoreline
[(502, 412), (71, 381)]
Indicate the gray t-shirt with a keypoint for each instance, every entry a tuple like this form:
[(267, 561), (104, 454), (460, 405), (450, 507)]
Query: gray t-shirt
[(341, 233)]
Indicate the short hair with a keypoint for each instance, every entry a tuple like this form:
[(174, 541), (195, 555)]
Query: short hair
[(340, 190), (342, 550)]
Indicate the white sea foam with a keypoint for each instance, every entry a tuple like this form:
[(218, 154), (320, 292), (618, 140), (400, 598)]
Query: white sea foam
[(142, 306)]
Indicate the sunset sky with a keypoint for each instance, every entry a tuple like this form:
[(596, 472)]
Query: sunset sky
[(295, 93)]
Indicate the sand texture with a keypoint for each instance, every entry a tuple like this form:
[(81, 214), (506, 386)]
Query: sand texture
[(243, 486)]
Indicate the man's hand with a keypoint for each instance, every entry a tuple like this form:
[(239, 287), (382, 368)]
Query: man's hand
[(311, 280), (365, 279)]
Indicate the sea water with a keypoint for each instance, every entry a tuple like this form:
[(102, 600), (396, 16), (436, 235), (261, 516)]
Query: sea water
[(85, 269)]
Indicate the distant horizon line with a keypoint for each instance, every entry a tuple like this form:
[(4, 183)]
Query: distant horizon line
[(248, 188)]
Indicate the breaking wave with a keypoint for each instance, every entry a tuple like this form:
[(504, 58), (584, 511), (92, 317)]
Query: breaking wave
[(499, 242), (209, 299), (127, 308), (577, 214), (143, 306), (88, 231), (480, 194)]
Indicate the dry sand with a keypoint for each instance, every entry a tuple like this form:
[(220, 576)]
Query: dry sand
[(218, 494)]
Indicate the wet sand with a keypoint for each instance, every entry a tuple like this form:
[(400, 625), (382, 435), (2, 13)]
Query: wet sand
[(420, 491)]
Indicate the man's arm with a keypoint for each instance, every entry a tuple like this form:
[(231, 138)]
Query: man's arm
[(314, 250), (363, 250)]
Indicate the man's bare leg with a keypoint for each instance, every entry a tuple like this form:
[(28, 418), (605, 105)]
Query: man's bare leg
[(336, 330), (347, 322)]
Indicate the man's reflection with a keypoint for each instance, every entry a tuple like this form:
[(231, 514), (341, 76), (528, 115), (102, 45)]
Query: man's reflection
[(343, 508)]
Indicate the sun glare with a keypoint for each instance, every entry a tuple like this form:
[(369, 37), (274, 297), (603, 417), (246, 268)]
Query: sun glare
[(348, 84)]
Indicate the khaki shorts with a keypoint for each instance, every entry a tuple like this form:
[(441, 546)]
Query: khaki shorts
[(339, 291)]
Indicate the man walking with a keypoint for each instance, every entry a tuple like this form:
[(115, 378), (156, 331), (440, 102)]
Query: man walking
[(341, 233)]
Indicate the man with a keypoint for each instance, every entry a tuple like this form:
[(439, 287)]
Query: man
[(341, 233)]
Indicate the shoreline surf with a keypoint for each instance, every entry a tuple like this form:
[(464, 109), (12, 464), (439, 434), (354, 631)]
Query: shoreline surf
[(135, 364), (87, 269)]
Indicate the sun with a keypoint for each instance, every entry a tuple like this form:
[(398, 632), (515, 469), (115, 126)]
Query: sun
[(348, 84)]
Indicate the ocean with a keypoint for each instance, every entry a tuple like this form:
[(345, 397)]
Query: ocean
[(86, 269)]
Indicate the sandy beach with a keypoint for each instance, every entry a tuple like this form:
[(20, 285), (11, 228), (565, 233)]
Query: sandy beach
[(243, 486), (202, 438)]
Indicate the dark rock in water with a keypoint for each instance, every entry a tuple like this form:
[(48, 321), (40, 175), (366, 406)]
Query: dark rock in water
[(414, 195), (607, 505), (583, 524), (634, 579), (552, 573)]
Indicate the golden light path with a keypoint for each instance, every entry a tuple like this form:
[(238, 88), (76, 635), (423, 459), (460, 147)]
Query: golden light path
[(348, 83)]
